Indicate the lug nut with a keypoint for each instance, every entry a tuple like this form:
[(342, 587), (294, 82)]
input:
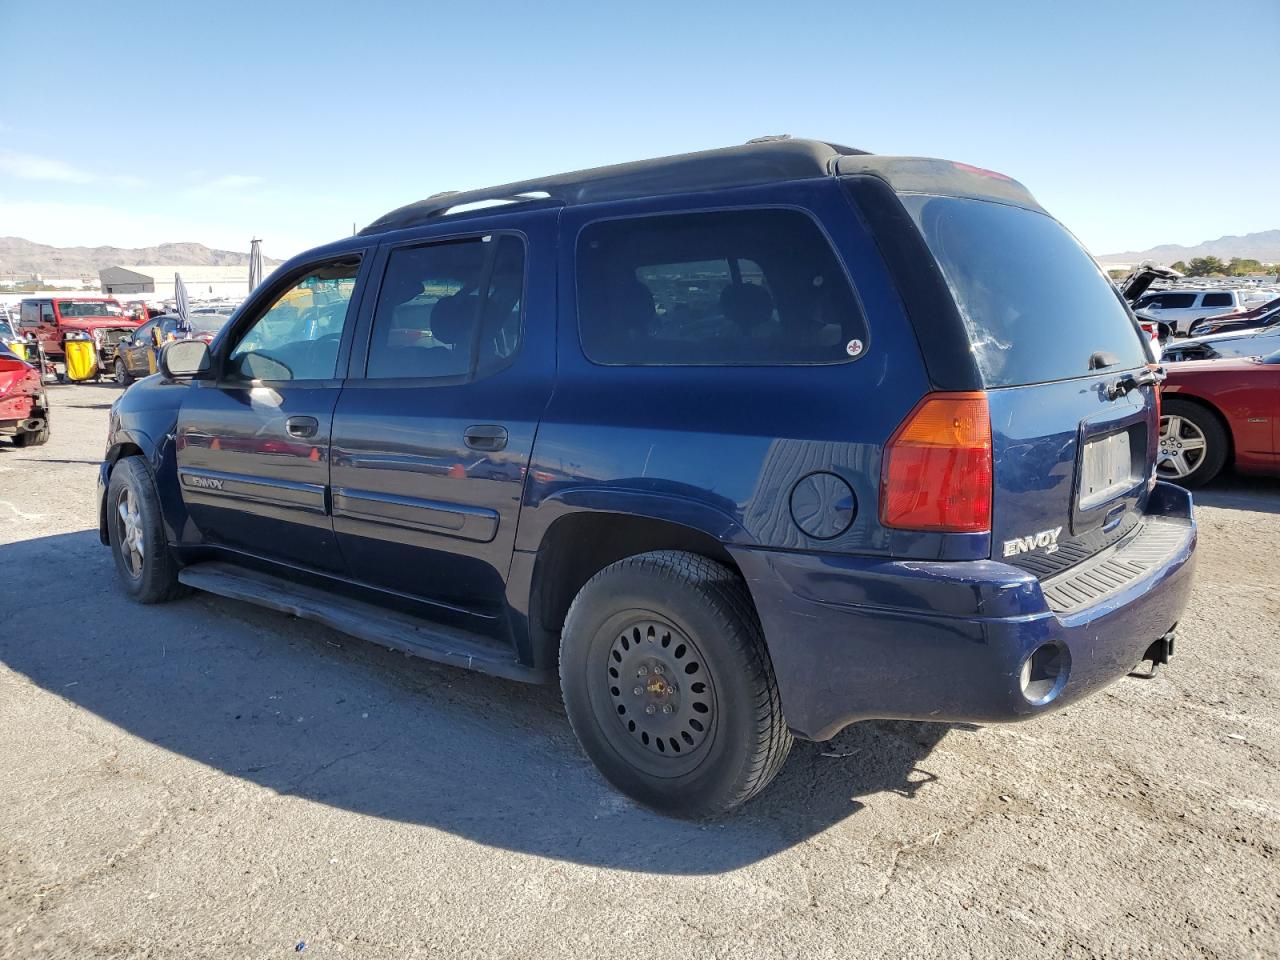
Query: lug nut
[(638, 690), (657, 668), (651, 709), (642, 672), (666, 708)]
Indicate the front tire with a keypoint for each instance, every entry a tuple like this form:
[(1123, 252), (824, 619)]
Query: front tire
[(705, 731), (122, 374), (135, 532), (1194, 437)]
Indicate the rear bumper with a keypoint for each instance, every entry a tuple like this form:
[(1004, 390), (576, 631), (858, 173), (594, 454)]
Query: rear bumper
[(855, 638)]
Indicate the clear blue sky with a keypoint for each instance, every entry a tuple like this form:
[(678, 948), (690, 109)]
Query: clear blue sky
[(138, 122)]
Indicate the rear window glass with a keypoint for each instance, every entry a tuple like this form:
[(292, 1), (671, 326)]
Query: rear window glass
[(757, 287), (1217, 300), (1035, 305)]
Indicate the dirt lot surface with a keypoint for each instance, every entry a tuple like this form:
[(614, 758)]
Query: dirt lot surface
[(205, 779)]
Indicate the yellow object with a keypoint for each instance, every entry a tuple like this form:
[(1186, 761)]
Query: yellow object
[(82, 359), (25, 351)]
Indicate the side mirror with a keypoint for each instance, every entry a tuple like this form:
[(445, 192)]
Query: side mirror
[(184, 359)]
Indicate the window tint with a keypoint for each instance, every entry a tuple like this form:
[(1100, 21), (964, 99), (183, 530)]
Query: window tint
[(46, 312), (29, 315), (1216, 300), (1035, 305), (298, 337), (731, 287), (449, 309), (1175, 301)]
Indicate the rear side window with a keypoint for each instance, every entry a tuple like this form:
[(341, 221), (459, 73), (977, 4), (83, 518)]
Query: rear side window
[(1035, 305), (449, 310), (1216, 300), (757, 287), (1174, 301)]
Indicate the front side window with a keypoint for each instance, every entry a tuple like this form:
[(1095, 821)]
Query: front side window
[(299, 336), (753, 287), (449, 310)]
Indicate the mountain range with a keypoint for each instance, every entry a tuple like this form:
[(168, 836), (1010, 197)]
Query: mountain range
[(22, 257), (1264, 246)]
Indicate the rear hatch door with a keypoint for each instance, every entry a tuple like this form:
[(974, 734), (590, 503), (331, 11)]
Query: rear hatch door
[(1074, 425)]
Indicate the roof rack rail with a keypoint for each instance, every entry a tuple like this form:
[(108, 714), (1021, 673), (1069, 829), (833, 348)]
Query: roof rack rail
[(764, 160)]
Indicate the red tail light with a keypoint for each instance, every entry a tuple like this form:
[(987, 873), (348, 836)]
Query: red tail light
[(937, 466)]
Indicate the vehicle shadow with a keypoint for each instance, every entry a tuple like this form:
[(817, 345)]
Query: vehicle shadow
[(307, 712), (1240, 492)]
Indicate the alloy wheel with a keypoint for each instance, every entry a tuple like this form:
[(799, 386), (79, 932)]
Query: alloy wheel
[(1182, 447), (132, 549)]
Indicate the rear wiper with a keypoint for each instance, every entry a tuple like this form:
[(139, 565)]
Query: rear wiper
[(1132, 381)]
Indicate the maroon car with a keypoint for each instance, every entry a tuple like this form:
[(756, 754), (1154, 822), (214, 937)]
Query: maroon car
[(1217, 412), (1257, 317)]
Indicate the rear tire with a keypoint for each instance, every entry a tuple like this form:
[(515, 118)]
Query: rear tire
[(135, 530), (706, 731), (32, 438), (1196, 438)]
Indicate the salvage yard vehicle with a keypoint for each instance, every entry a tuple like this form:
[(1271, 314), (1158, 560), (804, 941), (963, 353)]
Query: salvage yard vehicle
[(1181, 308), (24, 408), (52, 318), (137, 355), (740, 445), (1219, 413)]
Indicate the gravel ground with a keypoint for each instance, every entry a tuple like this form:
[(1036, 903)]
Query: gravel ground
[(206, 779)]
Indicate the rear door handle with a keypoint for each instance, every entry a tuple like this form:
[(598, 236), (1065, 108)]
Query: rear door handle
[(485, 436), (302, 427)]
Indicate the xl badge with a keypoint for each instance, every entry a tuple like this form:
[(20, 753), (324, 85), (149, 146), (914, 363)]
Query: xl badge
[(1046, 540)]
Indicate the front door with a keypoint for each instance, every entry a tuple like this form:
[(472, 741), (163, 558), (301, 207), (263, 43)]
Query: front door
[(431, 445), (253, 441)]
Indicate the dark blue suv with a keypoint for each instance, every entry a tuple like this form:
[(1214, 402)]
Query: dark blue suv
[(742, 445)]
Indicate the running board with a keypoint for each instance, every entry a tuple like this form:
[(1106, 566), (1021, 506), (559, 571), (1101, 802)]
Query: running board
[(421, 638)]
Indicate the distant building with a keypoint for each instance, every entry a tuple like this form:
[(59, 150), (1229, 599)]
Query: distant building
[(156, 281)]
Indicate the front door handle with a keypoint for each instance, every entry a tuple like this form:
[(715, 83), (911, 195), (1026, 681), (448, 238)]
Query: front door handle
[(302, 427), (485, 436)]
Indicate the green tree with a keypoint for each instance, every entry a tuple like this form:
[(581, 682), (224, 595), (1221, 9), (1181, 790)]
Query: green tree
[(1238, 267), (1205, 267), (1179, 266)]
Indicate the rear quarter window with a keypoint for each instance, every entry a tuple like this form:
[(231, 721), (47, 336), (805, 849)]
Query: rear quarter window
[(751, 287), (1216, 300), (1035, 305)]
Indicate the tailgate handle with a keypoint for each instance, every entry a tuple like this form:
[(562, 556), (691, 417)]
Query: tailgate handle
[(485, 436)]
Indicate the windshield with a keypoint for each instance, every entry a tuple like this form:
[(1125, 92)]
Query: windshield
[(1035, 305), (1272, 357), (209, 322), (89, 308)]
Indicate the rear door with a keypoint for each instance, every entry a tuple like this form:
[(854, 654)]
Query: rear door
[(1074, 442), (253, 442), (431, 443)]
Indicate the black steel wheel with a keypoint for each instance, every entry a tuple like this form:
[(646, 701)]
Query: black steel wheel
[(668, 684)]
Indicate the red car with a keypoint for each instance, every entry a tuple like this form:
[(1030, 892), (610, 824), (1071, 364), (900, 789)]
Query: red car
[(51, 318), (24, 411), (1235, 321), (1217, 412)]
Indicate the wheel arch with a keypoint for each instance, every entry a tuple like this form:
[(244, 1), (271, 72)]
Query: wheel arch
[(578, 545)]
